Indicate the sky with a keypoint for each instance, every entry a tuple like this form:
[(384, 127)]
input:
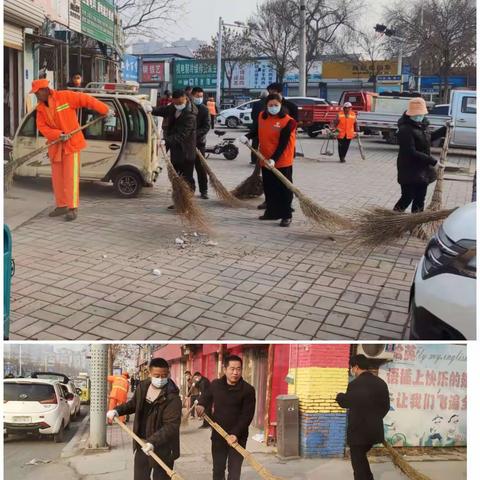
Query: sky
[(201, 16)]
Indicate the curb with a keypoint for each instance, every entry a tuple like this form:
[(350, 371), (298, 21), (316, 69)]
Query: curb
[(74, 446)]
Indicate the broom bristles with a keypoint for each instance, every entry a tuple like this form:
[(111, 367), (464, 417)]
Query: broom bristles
[(380, 225), (222, 193), (251, 187), (403, 465)]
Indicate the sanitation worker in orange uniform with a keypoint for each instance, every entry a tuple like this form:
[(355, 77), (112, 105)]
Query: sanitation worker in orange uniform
[(276, 134), (57, 118), (346, 125), (119, 392)]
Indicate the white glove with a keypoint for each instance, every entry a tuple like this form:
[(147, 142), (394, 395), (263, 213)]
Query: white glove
[(147, 449), (111, 414), (243, 139), (271, 163), (64, 137), (148, 108), (111, 113)]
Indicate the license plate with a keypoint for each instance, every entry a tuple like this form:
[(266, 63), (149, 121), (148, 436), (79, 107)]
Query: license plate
[(22, 419)]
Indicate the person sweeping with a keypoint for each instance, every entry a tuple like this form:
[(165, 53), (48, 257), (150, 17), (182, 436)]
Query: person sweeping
[(233, 402), (347, 128), (415, 164), (276, 134), (119, 392), (57, 118)]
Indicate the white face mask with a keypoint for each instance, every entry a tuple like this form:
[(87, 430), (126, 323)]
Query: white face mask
[(159, 382), (274, 109), (197, 100), (180, 107)]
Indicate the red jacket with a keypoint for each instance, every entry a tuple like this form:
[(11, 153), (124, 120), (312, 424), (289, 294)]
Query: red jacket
[(60, 116)]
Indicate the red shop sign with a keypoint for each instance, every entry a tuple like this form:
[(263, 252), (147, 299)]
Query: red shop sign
[(153, 71)]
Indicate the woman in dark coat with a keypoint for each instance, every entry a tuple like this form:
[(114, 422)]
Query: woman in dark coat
[(416, 167)]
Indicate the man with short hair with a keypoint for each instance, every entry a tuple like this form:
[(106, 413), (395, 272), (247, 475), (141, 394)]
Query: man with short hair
[(233, 402), (76, 81), (203, 126), (368, 401), (158, 412), (203, 384), (56, 116), (180, 134)]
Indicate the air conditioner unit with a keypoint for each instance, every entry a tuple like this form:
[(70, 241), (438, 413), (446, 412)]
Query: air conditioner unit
[(376, 351)]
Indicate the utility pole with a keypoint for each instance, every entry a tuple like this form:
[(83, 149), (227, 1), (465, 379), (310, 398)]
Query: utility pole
[(219, 62), (419, 87), (98, 403), (302, 64)]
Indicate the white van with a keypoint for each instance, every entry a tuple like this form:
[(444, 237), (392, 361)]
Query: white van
[(122, 150)]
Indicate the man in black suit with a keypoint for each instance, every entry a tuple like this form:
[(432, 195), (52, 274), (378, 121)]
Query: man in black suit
[(203, 384), (368, 401)]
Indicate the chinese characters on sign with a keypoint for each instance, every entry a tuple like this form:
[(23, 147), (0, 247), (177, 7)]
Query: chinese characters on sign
[(98, 20), (428, 388), (200, 73), (153, 71), (130, 67)]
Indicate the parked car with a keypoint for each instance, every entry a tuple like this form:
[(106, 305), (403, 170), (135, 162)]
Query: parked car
[(242, 114), (69, 387), (441, 109), (122, 150), (443, 293), (37, 406)]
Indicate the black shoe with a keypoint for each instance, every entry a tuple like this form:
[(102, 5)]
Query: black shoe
[(71, 215), (267, 217), (204, 195), (342, 160), (285, 222), (58, 212), (171, 207), (262, 206)]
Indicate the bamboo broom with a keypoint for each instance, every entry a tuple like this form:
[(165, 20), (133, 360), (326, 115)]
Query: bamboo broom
[(222, 193), (403, 465), (10, 167), (424, 232), (171, 473), (259, 468), (251, 187), (183, 199), (310, 209), (360, 146)]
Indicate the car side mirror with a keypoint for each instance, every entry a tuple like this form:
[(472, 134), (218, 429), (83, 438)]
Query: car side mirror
[(69, 396)]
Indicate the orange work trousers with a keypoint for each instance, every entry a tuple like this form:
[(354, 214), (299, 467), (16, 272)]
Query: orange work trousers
[(66, 180), (113, 402)]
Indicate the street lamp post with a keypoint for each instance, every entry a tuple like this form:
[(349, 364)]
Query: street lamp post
[(219, 61), (302, 64)]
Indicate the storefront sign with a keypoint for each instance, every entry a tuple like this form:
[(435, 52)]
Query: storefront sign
[(263, 75), (75, 15), (428, 390), (130, 68), (153, 71), (199, 73), (314, 74), (98, 20), (356, 70)]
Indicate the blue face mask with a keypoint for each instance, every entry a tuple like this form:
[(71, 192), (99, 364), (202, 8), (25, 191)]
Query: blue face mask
[(197, 101), (274, 109), (181, 107), (417, 118)]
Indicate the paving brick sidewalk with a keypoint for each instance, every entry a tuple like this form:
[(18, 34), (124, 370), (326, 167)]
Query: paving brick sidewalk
[(92, 279)]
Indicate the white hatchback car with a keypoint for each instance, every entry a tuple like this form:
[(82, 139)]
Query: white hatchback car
[(443, 294), (33, 405)]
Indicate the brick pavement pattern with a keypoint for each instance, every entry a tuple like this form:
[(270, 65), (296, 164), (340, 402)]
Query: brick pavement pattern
[(92, 279)]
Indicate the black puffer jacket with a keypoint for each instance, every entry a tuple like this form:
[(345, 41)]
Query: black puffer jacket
[(414, 162)]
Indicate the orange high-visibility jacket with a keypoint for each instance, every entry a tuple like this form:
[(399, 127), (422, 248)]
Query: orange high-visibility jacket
[(269, 130), (212, 108), (346, 125), (60, 116), (119, 388)]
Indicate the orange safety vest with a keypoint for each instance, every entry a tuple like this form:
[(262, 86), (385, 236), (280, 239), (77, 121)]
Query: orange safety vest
[(212, 108), (346, 125), (269, 130), (119, 388), (60, 116)]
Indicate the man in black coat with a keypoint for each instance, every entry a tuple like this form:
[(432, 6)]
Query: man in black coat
[(158, 412), (180, 134), (415, 165), (290, 107), (233, 402), (368, 401), (203, 385), (257, 109), (203, 126)]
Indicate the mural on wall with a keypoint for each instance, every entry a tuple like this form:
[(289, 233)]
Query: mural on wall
[(428, 389)]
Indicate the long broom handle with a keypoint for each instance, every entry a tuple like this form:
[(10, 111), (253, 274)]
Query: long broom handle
[(260, 469), (42, 149), (360, 146), (171, 473)]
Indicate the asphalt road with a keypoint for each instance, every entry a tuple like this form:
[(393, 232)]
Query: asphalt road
[(19, 450)]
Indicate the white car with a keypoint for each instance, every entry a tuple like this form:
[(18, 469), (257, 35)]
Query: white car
[(443, 294), (68, 387), (242, 114), (33, 405)]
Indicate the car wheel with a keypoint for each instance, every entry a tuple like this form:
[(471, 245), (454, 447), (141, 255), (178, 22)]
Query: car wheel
[(232, 122), (60, 435), (230, 152), (128, 184)]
